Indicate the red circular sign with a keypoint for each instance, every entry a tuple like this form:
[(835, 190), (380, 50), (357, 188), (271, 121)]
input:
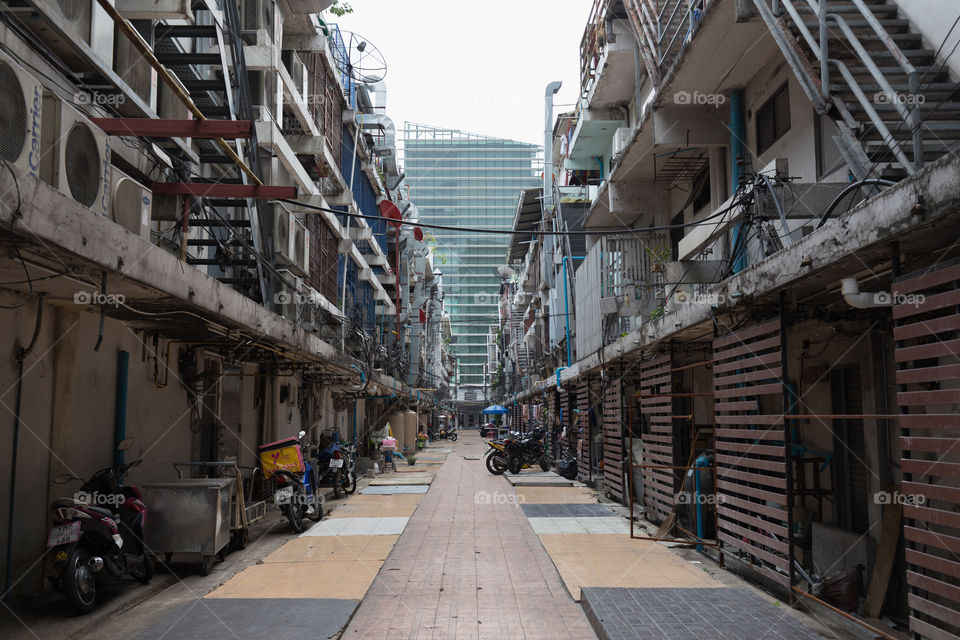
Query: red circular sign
[(390, 210), (418, 234)]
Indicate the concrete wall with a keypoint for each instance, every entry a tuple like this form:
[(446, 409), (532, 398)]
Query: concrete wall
[(934, 18)]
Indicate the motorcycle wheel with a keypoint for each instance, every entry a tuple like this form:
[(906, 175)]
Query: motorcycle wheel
[(544, 463), (142, 570), (338, 484), (317, 514), (79, 583), (453, 436), (514, 464), (496, 464), (351, 487), (294, 515)]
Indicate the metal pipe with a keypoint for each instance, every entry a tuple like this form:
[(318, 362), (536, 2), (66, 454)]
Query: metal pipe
[(737, 146), (550, 91), (824, 36), (120, 406)]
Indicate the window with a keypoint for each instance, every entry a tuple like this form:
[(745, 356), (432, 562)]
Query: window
[(773, 119)]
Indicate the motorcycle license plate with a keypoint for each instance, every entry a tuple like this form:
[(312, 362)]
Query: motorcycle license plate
[(336, 463), (283, 496), (63, 534)]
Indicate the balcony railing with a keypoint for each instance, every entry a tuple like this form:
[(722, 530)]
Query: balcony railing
[(664, 28)]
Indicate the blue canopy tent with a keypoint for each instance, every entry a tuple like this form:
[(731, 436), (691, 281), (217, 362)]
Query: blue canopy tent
[(495, 410)]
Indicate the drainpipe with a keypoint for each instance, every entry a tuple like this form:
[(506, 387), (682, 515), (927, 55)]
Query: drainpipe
[(21, 357), (120, 407), (862, 299), (559, 369), (737, 148), (700, 463), (551, 91)]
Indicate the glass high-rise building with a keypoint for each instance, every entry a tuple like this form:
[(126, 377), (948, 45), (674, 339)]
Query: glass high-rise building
[(469, 180)]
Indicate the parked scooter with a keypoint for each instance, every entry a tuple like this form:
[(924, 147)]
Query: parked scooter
[(101, 527), (296, 483), (526, 452), (449, 433), (337, 465)]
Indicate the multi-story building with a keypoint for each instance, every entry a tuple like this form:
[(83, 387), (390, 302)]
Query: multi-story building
[(182, 199), (768, 289), (468, 180)]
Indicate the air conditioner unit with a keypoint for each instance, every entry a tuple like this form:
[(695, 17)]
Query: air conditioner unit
[(288, 296), (621, 140), (257, 14), (281, 234), (75, 156), (131, 204), (299, 246), (21, 107), (297, 70)]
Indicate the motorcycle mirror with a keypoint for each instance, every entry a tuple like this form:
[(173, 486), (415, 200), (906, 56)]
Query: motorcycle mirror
[(63, 478), (125, 444)]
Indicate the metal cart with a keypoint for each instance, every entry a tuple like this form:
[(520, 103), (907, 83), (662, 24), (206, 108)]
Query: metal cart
[(200, 516)]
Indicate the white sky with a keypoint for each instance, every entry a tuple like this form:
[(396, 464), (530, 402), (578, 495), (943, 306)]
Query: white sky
[(477, 66)]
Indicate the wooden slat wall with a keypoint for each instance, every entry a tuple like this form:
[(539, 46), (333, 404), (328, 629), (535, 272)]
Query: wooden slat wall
[(658, 484), (570, 442), (927, 319), (613, 452), (751, 456), (583, 428)]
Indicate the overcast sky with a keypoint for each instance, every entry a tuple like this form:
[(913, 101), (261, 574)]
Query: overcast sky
[(477, 66)]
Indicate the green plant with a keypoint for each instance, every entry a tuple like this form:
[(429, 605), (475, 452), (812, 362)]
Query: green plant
[(339, 9), (411, 460)]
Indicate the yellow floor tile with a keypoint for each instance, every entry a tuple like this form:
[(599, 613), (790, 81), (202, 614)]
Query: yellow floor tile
[(617, 561), (555, 495)]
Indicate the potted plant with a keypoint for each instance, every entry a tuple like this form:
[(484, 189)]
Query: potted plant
[(411, 460)]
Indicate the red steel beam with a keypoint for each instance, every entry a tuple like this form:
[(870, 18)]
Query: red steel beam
[(159, 128), (213, 190)]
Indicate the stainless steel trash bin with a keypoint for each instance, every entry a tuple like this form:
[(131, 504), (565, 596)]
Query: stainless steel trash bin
[(190, 516)]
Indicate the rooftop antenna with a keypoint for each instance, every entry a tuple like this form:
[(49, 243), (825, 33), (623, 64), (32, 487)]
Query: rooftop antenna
[(360, 59)]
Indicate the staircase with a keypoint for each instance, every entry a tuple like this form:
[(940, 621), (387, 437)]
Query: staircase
[(892, 100), (219, 84)]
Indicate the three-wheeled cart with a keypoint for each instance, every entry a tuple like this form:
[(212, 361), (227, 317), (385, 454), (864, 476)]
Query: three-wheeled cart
[(200, 516)]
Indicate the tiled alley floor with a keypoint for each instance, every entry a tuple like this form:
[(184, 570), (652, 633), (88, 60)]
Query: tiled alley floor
[(468, 565), (446, 551), (311, 585)]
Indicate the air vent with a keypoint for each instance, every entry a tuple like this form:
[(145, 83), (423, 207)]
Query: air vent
[(13, 115), (21, 97), (81, 156)]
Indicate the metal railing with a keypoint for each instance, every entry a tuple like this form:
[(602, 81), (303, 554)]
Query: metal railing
[(664, 28), (819, 46)]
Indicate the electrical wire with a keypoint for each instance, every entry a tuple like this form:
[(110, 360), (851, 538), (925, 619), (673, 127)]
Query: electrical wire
[(537, 232)]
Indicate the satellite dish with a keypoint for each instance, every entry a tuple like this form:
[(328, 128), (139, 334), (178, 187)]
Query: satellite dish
[(359, 59), (505, 272)]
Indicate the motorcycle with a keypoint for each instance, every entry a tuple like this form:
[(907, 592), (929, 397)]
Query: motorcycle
[(337, 465), (101, 527), (296, 480), (526, 452), (496, 457), (448, 433)]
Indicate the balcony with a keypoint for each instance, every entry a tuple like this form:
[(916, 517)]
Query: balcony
[(608, 73)]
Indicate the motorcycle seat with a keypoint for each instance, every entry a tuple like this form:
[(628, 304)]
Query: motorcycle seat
[(70, 502)]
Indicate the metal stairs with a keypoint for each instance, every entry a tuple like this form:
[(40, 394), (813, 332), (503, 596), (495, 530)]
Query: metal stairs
[(218, 83), (893, 101)]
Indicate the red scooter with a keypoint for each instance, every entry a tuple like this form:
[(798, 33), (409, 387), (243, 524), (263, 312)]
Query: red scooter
[(101, 527)]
